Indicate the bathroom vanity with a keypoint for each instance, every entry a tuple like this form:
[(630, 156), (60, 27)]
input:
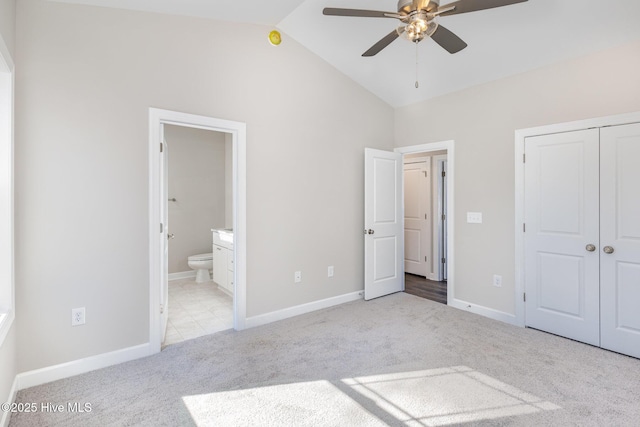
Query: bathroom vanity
[(223, 259)]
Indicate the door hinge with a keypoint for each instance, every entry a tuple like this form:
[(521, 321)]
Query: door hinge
[(524, 227), (161, 147), (161, 308), (425, 259), (161, 228), (444, 174), (443, 261), (524, 297), (425, 216), (524, 158), (444, 217), (425, 173)]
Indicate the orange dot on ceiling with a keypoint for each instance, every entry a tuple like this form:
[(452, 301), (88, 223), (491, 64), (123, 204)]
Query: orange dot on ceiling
[(275, 38)]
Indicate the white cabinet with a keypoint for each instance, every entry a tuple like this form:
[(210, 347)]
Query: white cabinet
[(220, 265), (223, 260)]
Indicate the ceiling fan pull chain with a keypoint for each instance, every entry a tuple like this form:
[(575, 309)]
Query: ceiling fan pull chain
[(417, 85)]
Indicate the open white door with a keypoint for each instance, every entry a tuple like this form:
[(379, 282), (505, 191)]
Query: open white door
[(164, 211), (383, 240)]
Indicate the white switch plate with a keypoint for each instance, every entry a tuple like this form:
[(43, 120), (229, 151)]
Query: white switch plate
[(474, 217), (297, 276), (330, 271)]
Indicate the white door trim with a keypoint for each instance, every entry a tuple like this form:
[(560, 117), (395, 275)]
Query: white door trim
[(157, 118), (520, 135), (437, 146)]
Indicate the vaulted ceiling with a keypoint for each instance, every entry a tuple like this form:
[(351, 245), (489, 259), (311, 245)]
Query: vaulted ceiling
[(501, 42)]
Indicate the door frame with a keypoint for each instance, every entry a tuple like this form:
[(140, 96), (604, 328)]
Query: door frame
[(158, 118), (520, 136), (449, 146)]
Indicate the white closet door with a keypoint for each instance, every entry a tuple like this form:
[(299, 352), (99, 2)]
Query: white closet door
[(620, 230), (417, 218), (562, 219)]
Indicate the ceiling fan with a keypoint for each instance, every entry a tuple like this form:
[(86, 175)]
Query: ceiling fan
[(418, 19)]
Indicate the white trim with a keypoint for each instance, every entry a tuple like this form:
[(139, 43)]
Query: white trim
[(81, 366), (274, 316), (7, 214), (450, 147), (158, 118), (182, 275), (520, 135), (483, 311), (6, 415), (437, 207)]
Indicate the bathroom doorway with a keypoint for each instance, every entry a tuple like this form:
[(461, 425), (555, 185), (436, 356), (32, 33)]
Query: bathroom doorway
[(199, 188), (231, 136)]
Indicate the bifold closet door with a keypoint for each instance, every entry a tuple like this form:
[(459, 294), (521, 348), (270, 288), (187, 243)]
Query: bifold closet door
[(562, 234), (620, 231)]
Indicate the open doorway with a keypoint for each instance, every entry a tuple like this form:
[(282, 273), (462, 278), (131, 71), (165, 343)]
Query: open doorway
[(427, 231), (199, 195), (159, 204)]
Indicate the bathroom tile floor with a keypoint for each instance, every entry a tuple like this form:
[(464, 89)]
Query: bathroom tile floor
[(196, 309)]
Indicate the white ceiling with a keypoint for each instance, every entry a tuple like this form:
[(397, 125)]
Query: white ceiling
[(502, 41)]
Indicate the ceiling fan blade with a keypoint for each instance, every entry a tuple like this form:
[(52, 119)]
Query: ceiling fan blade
[(448, 40), (464, 6), (335, 11), (384, 42)]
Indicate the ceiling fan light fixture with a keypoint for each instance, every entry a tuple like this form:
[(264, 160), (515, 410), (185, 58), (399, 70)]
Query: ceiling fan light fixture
[(417, 29)]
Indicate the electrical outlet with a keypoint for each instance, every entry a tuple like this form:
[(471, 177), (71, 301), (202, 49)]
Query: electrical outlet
[(330, 271), (77, 316), (497, 280), (297, 276)]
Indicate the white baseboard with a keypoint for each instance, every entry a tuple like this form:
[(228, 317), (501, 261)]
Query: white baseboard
[(6, 415), (182, 275), (81, 366), (484, 311), (297, 310)]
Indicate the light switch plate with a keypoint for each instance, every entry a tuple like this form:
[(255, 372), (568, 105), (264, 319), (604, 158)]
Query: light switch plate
[(474, 217)]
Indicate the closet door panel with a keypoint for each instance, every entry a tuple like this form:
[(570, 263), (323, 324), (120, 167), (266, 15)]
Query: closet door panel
[(562, 218), (620, 230)]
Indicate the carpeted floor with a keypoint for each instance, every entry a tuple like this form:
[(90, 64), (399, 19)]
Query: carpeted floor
[(399, 360)]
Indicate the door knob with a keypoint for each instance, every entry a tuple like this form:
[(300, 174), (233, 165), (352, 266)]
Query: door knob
[(369, 231), (170, 236), (608, 250), (591, 247)]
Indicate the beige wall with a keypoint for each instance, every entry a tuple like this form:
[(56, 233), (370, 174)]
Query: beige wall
[(197, 182), (8, 24), (482, 121), (86, 79)]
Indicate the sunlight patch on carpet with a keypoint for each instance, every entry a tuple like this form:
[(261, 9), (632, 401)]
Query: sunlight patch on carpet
[(445, 396), (434, 397)]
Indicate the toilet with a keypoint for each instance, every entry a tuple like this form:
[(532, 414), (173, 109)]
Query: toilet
[(201, 263)]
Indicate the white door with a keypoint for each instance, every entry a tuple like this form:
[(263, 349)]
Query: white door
[(443, 218), (620, 231), (562, 219), (164, 202), (383, 240), (417, 218)]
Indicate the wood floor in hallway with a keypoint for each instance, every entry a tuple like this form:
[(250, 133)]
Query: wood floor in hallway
[(425, 288)]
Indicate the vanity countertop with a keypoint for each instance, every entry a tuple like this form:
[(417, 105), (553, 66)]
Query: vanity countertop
[(223, 237)]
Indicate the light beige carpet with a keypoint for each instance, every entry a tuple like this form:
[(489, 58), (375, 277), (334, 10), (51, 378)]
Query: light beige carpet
[(398, 360)]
